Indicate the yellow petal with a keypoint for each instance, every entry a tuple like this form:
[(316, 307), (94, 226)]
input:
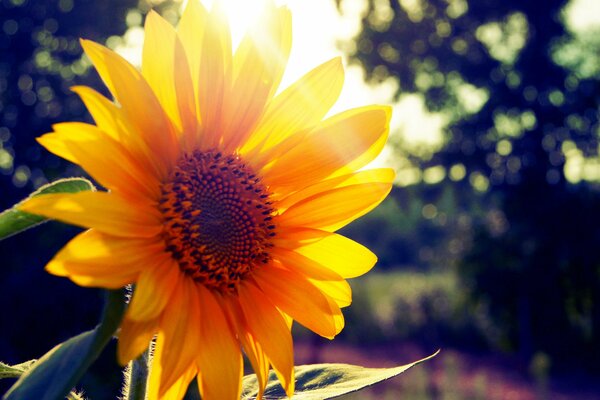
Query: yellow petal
[(112, 120), (156, 370), (57, 145), (139, 104), (186, 100), (96, 259), (158, 63), (335, 208), (338, 253), (179, 388), (326, 280), (290, 237), (191, 32), (153, 289), (258, 65), (215, 76), (297, 262), (220, 357), (337, 290), (94, 151), (105, 113), (180, 324), (335, 145), (297, 297), (134, 339), (270, 330), (106, 212), (380, 175), (300, 106)]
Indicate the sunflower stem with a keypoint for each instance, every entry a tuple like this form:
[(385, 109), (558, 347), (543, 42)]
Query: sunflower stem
[(138, 377)]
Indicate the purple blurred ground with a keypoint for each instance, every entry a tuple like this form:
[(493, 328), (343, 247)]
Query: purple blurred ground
[(452, 375)]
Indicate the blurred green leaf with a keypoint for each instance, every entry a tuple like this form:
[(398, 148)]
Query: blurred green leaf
[(58, 371), (13, 221), (325, 381), (14, 371)]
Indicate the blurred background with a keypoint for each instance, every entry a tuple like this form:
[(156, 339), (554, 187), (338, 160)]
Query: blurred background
[(488, 244)]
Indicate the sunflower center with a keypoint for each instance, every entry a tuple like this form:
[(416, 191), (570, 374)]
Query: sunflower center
[(218, 220)]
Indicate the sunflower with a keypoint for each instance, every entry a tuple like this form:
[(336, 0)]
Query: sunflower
[(222, 198)]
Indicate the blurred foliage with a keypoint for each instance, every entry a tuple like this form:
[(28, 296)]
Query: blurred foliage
[(520, 90), (424, 307), (40, 59)]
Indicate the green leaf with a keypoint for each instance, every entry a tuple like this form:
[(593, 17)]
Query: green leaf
[(13, 221), (324, 381), (14, 371), (58, 371)]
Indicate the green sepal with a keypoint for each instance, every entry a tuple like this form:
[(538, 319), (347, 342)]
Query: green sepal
[(14, 371), (324, 381), (58, 371), (13, 221)]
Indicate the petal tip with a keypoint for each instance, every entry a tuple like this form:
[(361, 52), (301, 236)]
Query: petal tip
[(122, 357), (56, 268)]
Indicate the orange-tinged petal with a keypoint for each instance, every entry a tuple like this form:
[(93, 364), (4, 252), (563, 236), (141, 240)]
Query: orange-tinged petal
[(94, 151), (297, 297), (335, 145), (297, 108), (96, 259), (106, 212), (289, 321), (180, 324), (271, 331), (335, 208), (134, 338), (336, 313), (220, 357), (253, 350), (214, 76), (379, 175), (258, 360), (338, 253), (153, 289), (158, 63), (258, 65), (139, 104)]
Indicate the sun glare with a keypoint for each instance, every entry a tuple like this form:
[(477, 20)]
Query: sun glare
[(240, 13)]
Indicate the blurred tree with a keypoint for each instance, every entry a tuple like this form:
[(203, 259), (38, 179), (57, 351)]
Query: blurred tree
[(40, 59), (520, 91)]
